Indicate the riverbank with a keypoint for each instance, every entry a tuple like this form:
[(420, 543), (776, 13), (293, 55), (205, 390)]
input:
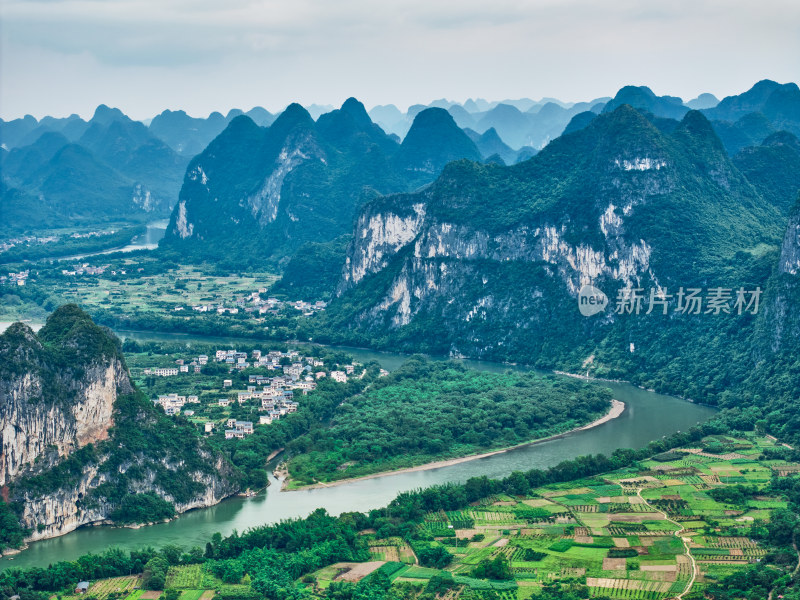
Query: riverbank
[(617, 408), (646, 417)]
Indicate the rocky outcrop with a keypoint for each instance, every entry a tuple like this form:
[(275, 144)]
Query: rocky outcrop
[(379, 234), (66, 510), (790, 251), (779, 321), (68, 388), (30, 426), (264, 202)]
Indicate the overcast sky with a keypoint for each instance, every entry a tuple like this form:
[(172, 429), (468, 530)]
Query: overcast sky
[(143, 56)]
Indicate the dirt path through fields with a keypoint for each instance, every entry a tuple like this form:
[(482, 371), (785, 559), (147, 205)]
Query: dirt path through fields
[(684, 540)]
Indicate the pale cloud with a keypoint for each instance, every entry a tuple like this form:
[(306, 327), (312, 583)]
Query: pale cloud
[(62, 56)]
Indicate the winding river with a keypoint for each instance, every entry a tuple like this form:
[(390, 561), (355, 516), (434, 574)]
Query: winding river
[(153, 233), (647, 416)]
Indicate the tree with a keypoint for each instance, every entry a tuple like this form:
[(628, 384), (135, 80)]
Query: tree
[(497, 568), (437, 557), (440, 583), (154, 575), (781, 527)]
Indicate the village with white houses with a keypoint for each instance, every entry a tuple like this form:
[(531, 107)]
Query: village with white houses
[(255, 303), (10, 243), (87, 269), (15, 278), (287, 376)]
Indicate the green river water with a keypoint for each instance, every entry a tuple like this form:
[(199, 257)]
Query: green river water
[(647, 416)]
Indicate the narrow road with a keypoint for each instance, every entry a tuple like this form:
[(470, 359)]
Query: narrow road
[(684, 540)]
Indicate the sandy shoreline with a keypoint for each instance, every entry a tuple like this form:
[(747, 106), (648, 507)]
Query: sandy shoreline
[(617, 408)]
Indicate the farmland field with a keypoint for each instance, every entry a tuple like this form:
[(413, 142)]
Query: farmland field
[(652, 532)]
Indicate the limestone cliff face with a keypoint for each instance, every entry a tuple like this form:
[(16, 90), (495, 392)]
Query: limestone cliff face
[(31, 427), (779, 321), (65, 510), (488, 259), (379, 235), (444, 257), (67, 388), (790, 251)]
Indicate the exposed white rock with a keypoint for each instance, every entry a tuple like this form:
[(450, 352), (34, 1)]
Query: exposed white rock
[(479, 308), (28, 430), (640, 164), (64, 512), (790, 251), (198, 173), (400, 296), (379, 235), (610, 221), (182, 225), (142, 198), (264, 203)]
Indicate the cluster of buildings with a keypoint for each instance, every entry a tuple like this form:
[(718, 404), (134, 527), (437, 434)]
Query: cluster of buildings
[(87, 269), (272, 394), (26, 239), (238, 429), (84, 269), (182, 366), (255, 304), (299, 372), (91, 234), (48, 239), (173, 403), (307, 308), (15, 278)]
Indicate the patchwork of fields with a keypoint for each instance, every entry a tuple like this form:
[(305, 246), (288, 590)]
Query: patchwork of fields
[(638, 534), (651, 533)]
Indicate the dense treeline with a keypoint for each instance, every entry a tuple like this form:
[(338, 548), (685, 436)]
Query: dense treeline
[(428, 410), (142, 508), (12, 533)]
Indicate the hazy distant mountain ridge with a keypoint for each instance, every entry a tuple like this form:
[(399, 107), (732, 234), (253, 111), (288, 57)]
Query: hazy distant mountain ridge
[(434, 140), (643, 98), (189, 136), (740, 121), (519, 123), (115, 170)]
